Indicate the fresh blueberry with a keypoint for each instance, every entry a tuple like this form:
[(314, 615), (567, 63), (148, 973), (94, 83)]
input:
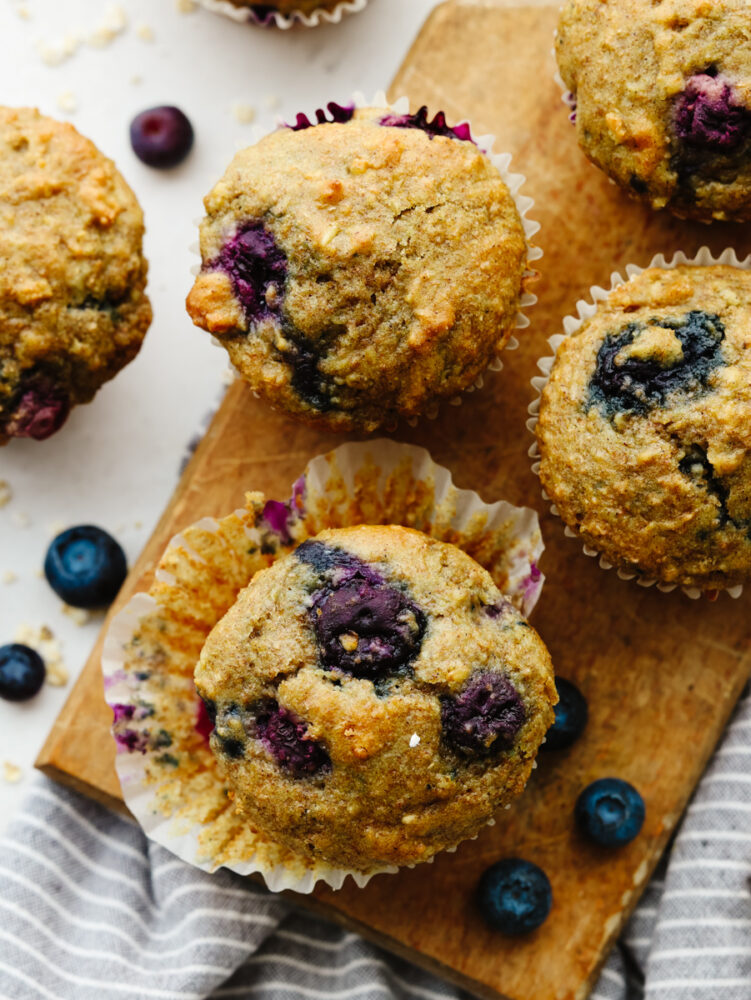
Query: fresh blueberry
[(85, 567), (515, 896), (610, 812), (286, 738), (571, 715), (483, 718), (710, 114), (637, 384), (161, 137), (41, 411), (22, 672), (437, 126)]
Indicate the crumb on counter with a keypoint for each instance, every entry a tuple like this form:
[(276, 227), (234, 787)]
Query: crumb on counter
[(67, 101), (43, 640), (6, 493), (114, 22), (21, 519), (81, 616), (185, 6), (145, 32), (9, 576), (244, 114), (12, 773)]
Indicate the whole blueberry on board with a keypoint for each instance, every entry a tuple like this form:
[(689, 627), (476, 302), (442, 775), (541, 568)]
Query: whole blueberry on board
[(22, 672), (85, 566), (571, 714), (161, 137), (514, 896), (610, 812)]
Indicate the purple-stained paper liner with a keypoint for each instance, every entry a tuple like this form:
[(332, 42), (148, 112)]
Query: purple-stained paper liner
[(585, 311), (169, 777), (274, 19)]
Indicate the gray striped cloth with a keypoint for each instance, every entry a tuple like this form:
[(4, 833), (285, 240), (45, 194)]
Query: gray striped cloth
[(90, 909)]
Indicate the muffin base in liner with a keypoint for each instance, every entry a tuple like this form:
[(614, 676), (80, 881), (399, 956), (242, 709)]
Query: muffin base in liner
[(585, 311), (169, 777), (524, 205), (274, 19)]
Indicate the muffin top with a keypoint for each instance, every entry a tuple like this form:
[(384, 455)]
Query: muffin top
[(358, 270), (663, 93), (72, 305), (645, 427), (375, 697)]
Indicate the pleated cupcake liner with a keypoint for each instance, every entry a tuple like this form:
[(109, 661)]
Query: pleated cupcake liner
[(274, 19), (524, 206), (585, 310), (169, 777)]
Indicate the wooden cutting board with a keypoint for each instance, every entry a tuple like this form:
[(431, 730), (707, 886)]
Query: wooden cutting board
[(661, 672)]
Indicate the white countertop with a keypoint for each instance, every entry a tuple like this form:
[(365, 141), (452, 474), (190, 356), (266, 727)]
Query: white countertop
[(115, 462)]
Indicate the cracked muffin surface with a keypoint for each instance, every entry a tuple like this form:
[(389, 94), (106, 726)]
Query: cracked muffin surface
[(73, 310), (374, 697), (360, 268), (645, 427), (663, 94)]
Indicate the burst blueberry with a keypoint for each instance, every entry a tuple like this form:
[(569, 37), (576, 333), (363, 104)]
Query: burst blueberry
[(41, 410), (515, 896), (22, 672), (485, 717), (610, 812), (365, 629), (571, 714), (710, 114), (637, 384), (286, 738), (161, 137), (257, 268), (85, 566), (337, 114)]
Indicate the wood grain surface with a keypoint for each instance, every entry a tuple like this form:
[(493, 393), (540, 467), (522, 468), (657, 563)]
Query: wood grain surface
[(661, 673)]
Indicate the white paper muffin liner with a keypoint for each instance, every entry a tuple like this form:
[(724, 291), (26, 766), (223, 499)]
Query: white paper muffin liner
[(169, 777), (585, 311), (246, 15), (524, 205)]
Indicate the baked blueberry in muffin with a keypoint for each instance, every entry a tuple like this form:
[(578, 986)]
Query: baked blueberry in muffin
[(360, 266), (663, 94), (645, 427), (368, 709), (73, 310)]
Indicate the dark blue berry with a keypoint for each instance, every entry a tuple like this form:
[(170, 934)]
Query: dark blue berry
[(161, 137), (571, 715), (514, 896), (485, 717), (610, 812), (22, 672), (255, 265), (85, 567), (437, 126), (638, 384), (286, 738)]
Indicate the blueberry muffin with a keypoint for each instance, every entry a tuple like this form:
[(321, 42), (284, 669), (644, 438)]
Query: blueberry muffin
[(663, 92), (375, 698), (360, 270), (645, 427), (72, 305)]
